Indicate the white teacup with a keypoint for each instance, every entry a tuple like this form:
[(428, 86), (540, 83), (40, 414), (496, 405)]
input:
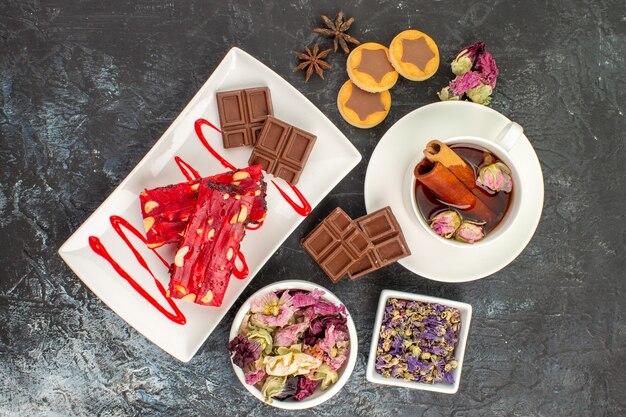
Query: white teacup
[(500, 147)]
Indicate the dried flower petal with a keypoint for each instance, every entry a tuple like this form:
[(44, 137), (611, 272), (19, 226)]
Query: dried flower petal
[(273, 386), (290, 364), (417, 341), (326, 375), (289, 389), (486, 66), (306, 387), (464, 82), (255, 376), (445, 223), (244, 351), (306, 298)]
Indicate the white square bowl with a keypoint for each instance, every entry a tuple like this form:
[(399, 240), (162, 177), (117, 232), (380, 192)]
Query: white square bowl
[(459, 350), (331, 159)]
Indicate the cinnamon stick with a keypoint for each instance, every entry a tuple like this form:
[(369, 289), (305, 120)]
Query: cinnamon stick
[(437, 151), (450, 190)]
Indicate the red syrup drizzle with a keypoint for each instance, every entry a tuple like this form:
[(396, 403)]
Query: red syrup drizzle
[(198, 127), (243, 272), (97, 246), (302, 210), (188, 171)]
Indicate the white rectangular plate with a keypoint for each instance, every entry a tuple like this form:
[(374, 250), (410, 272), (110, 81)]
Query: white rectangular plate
[(332, 158)]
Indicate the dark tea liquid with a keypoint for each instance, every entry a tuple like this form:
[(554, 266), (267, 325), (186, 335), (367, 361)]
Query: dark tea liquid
[(429, 205)]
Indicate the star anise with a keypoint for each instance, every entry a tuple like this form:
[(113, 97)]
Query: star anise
[(337, 30), (313, 61)]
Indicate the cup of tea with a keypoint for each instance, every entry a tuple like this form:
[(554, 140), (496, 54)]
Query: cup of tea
[(457, 178)]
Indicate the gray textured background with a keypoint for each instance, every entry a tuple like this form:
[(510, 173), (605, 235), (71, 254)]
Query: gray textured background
[(88, 87)]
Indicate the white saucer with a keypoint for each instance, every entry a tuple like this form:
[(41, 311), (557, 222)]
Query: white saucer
[(432, 257)]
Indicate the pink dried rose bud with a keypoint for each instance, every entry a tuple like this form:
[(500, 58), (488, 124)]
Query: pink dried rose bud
[(495, 177), (445, 223), (469, 232)]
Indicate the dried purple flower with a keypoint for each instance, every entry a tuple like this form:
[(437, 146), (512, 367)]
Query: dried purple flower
[(306, 387), (476, 74), (290, 388), (464, 82), (319, 325), (244, 351), (486, 66), (417, 341)]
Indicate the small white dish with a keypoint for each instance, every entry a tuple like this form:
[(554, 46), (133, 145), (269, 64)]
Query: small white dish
[(385, 185), (332, 158), (319, 396), (459, 351)]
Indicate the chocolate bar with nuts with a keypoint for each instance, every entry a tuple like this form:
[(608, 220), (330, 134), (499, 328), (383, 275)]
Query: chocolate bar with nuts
[(336, 244), (242, 114), (383, 231), (282, 149)]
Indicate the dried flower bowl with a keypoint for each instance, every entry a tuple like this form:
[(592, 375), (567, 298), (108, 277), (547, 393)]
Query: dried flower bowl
[(465, 311), (319, 396)]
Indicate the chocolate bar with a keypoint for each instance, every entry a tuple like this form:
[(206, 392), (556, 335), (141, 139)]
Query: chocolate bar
[(383, 231), (242, 114), (336, 244), (282, 149)]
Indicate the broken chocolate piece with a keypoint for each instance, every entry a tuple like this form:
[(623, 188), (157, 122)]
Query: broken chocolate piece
[(242, 114), (282, 149), (336, 244), (383, 231)]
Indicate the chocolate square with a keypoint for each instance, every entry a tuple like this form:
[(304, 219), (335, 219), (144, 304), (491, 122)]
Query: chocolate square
[(231, 108), (378, 225), (337, 263), (243, 110), (259, 104), (272, 136), (234, 138), (391, 250), (364, 265), (358, 243), (298, 147), (288, 145), (320, 241), (287, 172), (383, 231), (267, 162)]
